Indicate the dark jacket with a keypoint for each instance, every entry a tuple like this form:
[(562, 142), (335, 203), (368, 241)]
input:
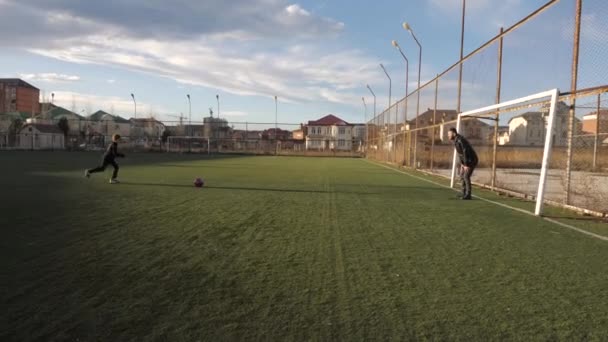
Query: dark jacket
[(112, 152), (465, 151)]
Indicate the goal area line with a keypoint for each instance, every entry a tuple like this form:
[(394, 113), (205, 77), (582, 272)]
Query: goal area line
[(519, 210)]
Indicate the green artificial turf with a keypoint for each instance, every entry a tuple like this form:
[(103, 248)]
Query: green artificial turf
[(280, 248)]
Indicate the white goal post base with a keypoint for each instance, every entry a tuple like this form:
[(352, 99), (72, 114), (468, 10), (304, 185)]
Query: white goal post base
[(554, 94)]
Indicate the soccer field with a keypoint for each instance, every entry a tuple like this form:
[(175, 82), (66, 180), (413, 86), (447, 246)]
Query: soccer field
[(282, 248)]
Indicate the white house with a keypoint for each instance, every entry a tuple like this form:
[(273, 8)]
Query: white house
[(475, 130), (359, 136), (35, 136), (106, 124), (329, 132), (503, 135), (529, 129), (56, 113), (150, 129), (591, 124)]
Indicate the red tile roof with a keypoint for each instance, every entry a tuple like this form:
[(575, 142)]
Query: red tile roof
[(328, 120)]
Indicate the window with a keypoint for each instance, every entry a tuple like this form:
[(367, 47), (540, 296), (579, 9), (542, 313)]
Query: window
[(341, 143), (342, 130)]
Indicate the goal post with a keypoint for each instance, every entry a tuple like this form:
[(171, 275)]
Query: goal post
[(551, 97)]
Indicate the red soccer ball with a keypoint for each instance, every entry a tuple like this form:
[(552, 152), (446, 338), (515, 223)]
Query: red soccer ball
[(199, 183)]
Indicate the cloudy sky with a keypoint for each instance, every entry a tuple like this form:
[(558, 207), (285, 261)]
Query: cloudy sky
[(316, 56)]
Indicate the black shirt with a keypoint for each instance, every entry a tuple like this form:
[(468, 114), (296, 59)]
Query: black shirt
[(112, 152), (465, 151)]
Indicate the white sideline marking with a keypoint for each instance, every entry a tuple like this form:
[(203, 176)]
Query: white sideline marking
[(564, 225)]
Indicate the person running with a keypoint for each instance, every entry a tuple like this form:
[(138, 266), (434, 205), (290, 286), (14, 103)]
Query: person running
[(109, 158)]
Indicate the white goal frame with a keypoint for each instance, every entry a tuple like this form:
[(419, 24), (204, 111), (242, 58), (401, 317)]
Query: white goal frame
[(554, 94)]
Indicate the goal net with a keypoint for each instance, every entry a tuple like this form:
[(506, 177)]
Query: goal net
[(514, 141)]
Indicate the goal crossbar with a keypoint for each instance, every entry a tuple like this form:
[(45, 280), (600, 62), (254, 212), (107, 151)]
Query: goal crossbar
[(554, 95)]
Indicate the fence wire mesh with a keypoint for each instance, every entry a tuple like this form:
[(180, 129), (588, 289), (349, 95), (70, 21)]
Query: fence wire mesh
[(556, 46), (536, 54)]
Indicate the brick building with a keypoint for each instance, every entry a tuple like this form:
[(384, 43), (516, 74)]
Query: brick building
[(17, 95)]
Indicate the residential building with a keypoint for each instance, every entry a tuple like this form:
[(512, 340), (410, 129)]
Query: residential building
[(475, 130), (150, 129), (106, 124), (35, 136), (276, 134), (329, 132), (10, 125), (299, 134), (590, 123), (75, 121), (503, 135), (216, 128), (529, 129), (7, 120), (17, 95), (359, 136), (192, 130)]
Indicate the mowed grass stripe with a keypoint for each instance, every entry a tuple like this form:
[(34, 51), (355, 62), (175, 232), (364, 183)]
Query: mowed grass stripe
[(281, 249)]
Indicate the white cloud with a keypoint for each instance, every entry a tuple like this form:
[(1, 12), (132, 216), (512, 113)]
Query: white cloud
[(50, 77), (169, 20), (254, 64), (111, 81), (295, 9), (297, 76)]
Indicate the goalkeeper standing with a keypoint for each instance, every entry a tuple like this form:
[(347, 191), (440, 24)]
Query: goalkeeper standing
[(468, 161)]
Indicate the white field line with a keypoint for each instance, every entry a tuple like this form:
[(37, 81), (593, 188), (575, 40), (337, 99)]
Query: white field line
[(564, 225)]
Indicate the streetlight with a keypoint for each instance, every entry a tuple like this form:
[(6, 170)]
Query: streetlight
[(390, 86), (407, 27), (407, 81), (365, 120), (374, 95), (52, 98), (135, 104), (189, 114), (276, 125), (218, 105), (407, 69)]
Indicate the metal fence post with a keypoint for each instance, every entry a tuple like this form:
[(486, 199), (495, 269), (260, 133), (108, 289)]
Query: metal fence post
[(434, 122), (573, 87), (597, 133), (496, 124)]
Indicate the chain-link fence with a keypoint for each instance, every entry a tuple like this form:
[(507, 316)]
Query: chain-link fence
[(207, 137), (560, 45)]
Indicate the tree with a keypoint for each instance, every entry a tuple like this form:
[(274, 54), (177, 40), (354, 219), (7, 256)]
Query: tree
[(64, 126), (165, 136), (14, 129)]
